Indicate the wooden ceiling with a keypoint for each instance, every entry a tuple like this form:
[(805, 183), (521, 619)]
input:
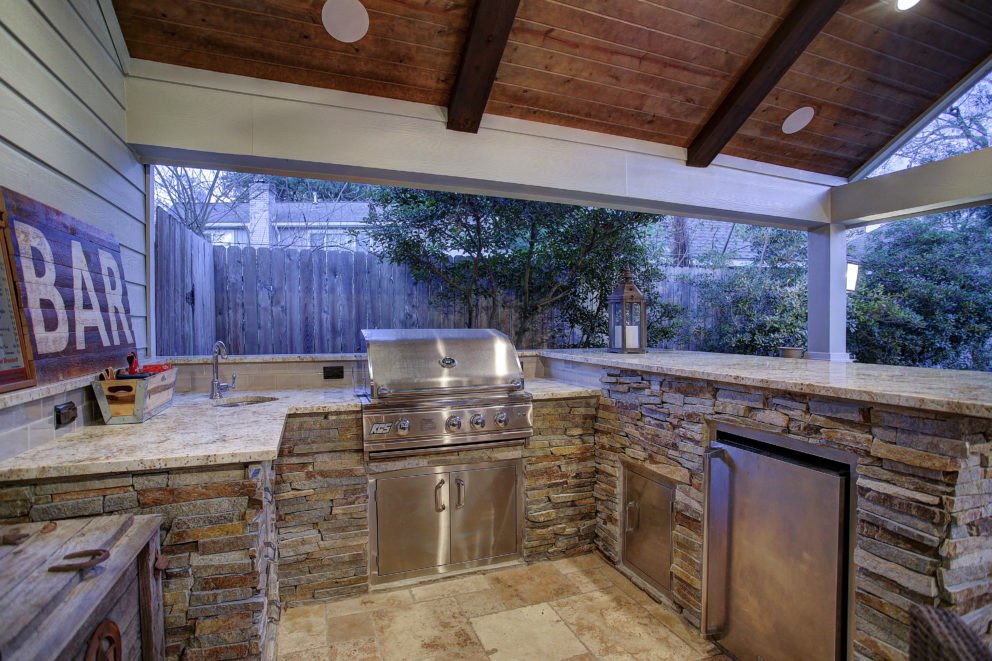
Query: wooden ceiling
[(655, 70)]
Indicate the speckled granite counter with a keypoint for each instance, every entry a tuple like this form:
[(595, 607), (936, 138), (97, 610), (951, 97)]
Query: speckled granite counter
[(948, 391), (194, 432)]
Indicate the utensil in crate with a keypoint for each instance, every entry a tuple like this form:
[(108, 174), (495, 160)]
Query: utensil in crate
[(132, 398)]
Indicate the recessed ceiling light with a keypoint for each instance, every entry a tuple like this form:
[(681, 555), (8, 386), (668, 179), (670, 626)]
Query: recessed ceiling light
[(345, 20), (798, 120), (903, 5)]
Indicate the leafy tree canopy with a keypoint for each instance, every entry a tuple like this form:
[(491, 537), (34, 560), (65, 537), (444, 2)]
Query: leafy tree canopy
[(926, 293), (515, 254)]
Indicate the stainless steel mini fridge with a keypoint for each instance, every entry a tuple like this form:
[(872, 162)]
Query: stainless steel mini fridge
[(775, 560)]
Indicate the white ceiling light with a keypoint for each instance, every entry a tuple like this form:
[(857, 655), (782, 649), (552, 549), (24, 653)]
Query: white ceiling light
[(903, 5), (798, 120), (345, 20)]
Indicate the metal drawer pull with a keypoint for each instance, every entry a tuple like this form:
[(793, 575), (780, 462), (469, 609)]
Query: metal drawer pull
[(96, 556), (460, 494), (633, 524), (438, 505)]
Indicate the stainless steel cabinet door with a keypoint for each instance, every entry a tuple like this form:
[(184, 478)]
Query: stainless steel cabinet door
[(776, 533), (483, 513), (412, 522), (647, 542)]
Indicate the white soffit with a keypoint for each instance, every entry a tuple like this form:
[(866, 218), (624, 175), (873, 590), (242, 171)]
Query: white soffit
[(176, 114)]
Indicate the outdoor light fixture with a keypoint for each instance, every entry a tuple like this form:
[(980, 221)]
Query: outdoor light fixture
[(852, 274), (798, 120), (903, 5), (628, 318), (345, 20)]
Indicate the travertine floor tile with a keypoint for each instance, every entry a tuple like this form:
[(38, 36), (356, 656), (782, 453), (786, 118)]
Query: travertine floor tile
[(369, 602), (325, 654), (474, 604), (612, 625), (578, 562), (359, 649), (587, 580), (534, 584), (574, 609), (350, 627), (680, 628), (301, 629), (423, 630), (626, 586), (531, 633), (449, 588)]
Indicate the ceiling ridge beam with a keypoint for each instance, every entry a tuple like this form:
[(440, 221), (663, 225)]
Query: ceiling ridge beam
[(806, 19), (484, 46)]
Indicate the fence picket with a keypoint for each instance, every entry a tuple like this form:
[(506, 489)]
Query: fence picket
[(277, 300)]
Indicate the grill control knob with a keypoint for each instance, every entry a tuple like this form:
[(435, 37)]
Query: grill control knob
[(403, 426), (501, 419), (478, 421), (454, 423)]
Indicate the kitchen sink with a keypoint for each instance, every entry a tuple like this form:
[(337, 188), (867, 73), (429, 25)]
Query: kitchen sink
[(247, 400)]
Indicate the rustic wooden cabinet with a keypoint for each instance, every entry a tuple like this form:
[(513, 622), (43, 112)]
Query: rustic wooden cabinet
[(84, 589)]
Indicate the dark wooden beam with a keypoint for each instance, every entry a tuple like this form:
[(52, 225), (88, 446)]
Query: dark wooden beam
[(484, 47), (804, 22)]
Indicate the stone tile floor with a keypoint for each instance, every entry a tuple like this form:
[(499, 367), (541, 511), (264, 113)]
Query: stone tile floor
[(575, 609)]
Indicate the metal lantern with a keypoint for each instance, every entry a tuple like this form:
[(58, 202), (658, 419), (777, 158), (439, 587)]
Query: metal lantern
[(628, 318)]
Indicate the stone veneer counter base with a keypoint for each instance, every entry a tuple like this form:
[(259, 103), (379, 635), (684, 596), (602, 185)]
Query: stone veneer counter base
[(924, 484), (209, 472), (949, 391)]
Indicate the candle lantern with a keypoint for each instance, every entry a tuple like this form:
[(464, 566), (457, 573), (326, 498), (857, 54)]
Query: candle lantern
[(628, 318)]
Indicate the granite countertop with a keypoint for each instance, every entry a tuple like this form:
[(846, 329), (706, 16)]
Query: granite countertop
[(950, 391), (194, 432)]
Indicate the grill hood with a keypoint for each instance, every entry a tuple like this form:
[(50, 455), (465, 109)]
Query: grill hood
[(425, 362)]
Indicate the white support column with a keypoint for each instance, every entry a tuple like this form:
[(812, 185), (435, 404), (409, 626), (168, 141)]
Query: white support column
[(826, 324)]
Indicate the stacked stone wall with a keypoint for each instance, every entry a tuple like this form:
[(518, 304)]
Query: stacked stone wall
[(559, 478), (217, 531), (321, 495), (924, 511)]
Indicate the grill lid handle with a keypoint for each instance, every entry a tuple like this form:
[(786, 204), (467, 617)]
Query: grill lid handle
[(385, 391)]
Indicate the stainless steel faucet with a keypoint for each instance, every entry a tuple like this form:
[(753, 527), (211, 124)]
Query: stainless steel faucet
[(217, 389)]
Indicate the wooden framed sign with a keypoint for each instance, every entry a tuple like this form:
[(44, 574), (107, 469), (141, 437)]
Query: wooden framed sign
[(16, 366), (72, 290)]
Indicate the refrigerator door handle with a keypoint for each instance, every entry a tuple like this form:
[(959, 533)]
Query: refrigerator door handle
[(714, 630)]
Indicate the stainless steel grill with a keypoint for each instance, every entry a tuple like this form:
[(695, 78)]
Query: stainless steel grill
[(441, 389)]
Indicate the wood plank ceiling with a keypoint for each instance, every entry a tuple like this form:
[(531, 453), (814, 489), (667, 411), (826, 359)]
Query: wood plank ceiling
[(649, 69)]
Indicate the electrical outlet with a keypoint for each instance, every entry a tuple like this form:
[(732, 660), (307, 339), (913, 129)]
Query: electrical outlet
[(65, 414), (333, 372)]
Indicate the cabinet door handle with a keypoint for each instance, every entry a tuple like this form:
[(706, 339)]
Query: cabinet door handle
[(459, 494), (633, 523), (438, 498)]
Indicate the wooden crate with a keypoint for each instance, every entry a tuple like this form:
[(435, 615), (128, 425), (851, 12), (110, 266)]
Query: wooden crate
[(63, 614), (126, 401)]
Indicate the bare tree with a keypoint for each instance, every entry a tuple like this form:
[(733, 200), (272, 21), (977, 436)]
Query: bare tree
[(195, 196)]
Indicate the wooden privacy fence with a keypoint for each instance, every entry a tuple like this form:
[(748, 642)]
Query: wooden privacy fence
[(284, 300), (184, 290)]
